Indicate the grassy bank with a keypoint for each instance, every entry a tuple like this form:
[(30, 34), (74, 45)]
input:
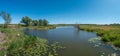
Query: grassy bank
[(108, 33), (19, 44), (16, 26), (42, 27)]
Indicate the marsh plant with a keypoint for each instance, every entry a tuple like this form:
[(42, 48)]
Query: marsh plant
[(24, 45), (108, 33)]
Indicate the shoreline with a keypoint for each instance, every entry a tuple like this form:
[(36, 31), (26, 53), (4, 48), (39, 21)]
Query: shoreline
[(41, 27), (17, 41), (100, 35)]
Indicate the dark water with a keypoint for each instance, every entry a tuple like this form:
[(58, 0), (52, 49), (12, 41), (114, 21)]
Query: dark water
[(75, 41)]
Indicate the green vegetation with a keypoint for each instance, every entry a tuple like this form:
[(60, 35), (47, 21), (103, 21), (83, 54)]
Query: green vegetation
[(29, 22), (18, 44), (108, 33), (36, 24), (6, 17), (42, 27), (26, 20)]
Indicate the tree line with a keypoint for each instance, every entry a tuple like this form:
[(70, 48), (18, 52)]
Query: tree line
[(27, 21)]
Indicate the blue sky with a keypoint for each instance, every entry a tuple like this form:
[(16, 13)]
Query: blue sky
[(64, 11)]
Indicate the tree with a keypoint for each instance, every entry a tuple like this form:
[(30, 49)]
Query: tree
[(6, 17), (26, 20), (40, 22), (34, 22), (45, 22)]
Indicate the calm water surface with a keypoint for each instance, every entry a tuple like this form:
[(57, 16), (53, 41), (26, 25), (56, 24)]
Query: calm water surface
[(75, 41)]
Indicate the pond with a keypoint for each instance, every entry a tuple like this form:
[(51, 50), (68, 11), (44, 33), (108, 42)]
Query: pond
[(77, 42)]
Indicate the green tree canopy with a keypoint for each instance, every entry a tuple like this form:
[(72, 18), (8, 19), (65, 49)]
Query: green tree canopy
[(34, 22), (6, 17), (26, 20), (40, 22), (45, 22)]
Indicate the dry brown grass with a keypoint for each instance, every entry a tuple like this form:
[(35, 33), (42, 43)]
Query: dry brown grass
[(103, 27)]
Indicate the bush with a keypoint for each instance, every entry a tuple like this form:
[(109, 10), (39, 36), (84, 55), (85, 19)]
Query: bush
[(117, 43), (100, 33), (105, 38)]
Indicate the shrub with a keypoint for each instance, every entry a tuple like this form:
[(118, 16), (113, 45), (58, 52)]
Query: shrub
[(117, 43)]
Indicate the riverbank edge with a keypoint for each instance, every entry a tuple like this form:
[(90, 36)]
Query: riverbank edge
[(15, 38), (91, 30), (41, 27)]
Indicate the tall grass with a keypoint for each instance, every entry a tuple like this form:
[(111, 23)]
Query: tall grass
[(108, 33), (23, 45)]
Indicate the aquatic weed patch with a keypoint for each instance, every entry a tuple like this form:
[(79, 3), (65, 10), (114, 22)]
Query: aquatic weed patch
[(19, 44)]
